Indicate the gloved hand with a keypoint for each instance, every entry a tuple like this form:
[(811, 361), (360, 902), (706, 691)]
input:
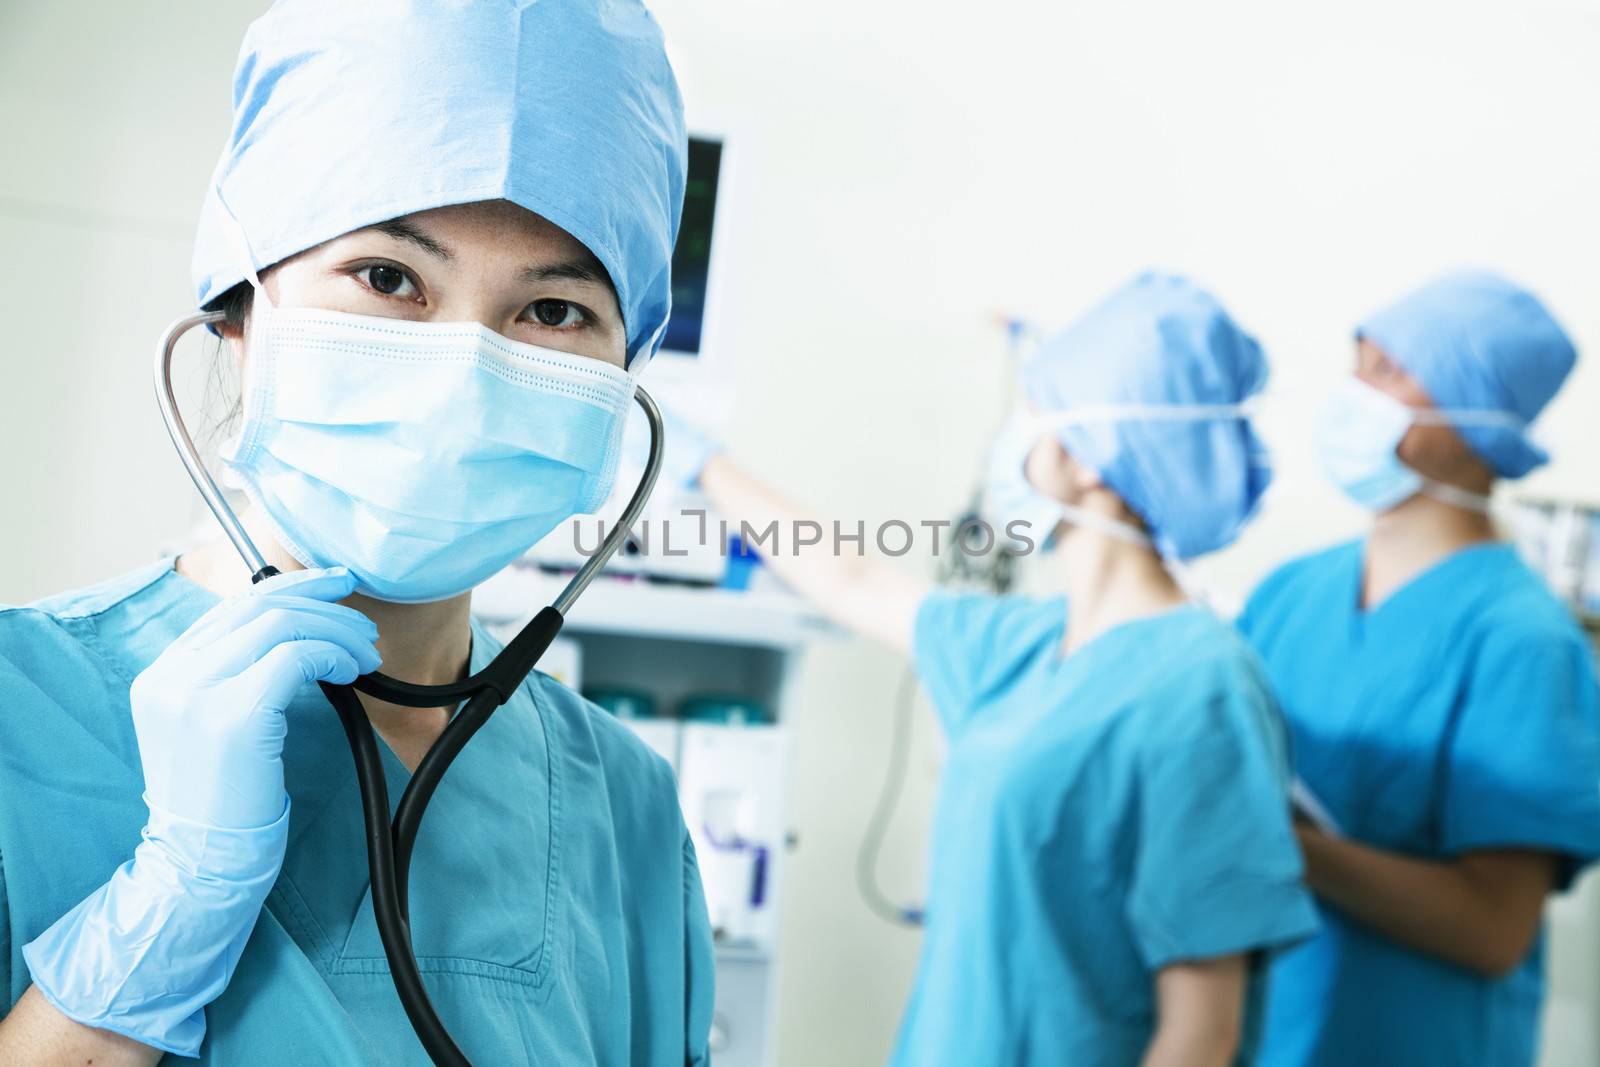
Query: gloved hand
[(688, 449), (145, 953), (209, 711)]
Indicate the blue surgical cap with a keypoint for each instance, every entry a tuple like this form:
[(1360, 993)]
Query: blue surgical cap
[(1476, 341), (350, 114), (1160, 340)]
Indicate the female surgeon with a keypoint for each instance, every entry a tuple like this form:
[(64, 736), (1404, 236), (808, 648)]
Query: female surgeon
[(1112, 845), (1441, 702), (441, 234)]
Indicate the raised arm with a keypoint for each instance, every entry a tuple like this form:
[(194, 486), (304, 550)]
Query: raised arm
[(862, 591)]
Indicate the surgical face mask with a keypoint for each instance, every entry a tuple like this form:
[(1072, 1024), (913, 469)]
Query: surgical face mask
[(1358, 437), (1009, 498), (422, 456)]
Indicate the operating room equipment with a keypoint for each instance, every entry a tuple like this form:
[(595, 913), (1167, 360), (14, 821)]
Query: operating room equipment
[(1560, 538), (390, 844), (671, 641), (991, 572), (723, 710), (984, 558), (724, 814), (868, 884), (732, 777)]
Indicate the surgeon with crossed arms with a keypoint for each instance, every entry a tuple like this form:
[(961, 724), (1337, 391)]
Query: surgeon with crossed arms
[(1441, 702)]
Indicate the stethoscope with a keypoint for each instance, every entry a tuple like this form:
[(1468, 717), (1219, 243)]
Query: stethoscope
[(389, 844)]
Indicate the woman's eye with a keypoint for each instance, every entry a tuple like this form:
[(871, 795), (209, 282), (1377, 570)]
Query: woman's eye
[(557, 313), (385, 279)]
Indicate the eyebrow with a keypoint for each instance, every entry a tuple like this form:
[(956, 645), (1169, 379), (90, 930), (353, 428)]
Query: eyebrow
[(577, 270), (586, 268), (404, 231)]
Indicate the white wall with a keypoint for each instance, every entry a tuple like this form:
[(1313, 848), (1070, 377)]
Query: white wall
[(904, 168)]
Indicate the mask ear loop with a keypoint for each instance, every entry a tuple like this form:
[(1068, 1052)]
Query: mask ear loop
[(1487, 418), (1482, 417), (1456, 496), (1093, 414), (1192, 588), (1085, 519), (1032, 427)]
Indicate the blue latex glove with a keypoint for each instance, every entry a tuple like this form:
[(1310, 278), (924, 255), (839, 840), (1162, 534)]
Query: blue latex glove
[(144, 954), (688, 449)]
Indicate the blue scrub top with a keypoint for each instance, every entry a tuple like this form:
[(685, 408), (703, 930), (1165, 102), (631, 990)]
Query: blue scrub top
[(556, 904), (1101, 815), (1458, 714)]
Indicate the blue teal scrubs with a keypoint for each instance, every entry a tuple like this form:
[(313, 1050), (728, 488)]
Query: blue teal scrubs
[(1101, 815), (1458, 714), (556, 904)]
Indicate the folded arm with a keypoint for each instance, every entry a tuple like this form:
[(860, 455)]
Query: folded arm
[(1481, 910)]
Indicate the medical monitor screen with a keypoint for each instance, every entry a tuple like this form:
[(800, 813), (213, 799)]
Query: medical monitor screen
[(691, 257)]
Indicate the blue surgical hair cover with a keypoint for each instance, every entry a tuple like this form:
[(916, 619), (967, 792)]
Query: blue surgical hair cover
[(350, 114), (1161, 340)]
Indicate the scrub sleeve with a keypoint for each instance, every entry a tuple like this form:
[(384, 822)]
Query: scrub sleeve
[(1204, 886), (1512, 780)]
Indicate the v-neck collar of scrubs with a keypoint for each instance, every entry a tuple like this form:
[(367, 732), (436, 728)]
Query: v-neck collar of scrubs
[(1440, 570), (492, 832)]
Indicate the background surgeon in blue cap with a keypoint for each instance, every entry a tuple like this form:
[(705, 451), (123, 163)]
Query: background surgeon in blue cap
[(1442, 703), (441, 235), (1112, 848)]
